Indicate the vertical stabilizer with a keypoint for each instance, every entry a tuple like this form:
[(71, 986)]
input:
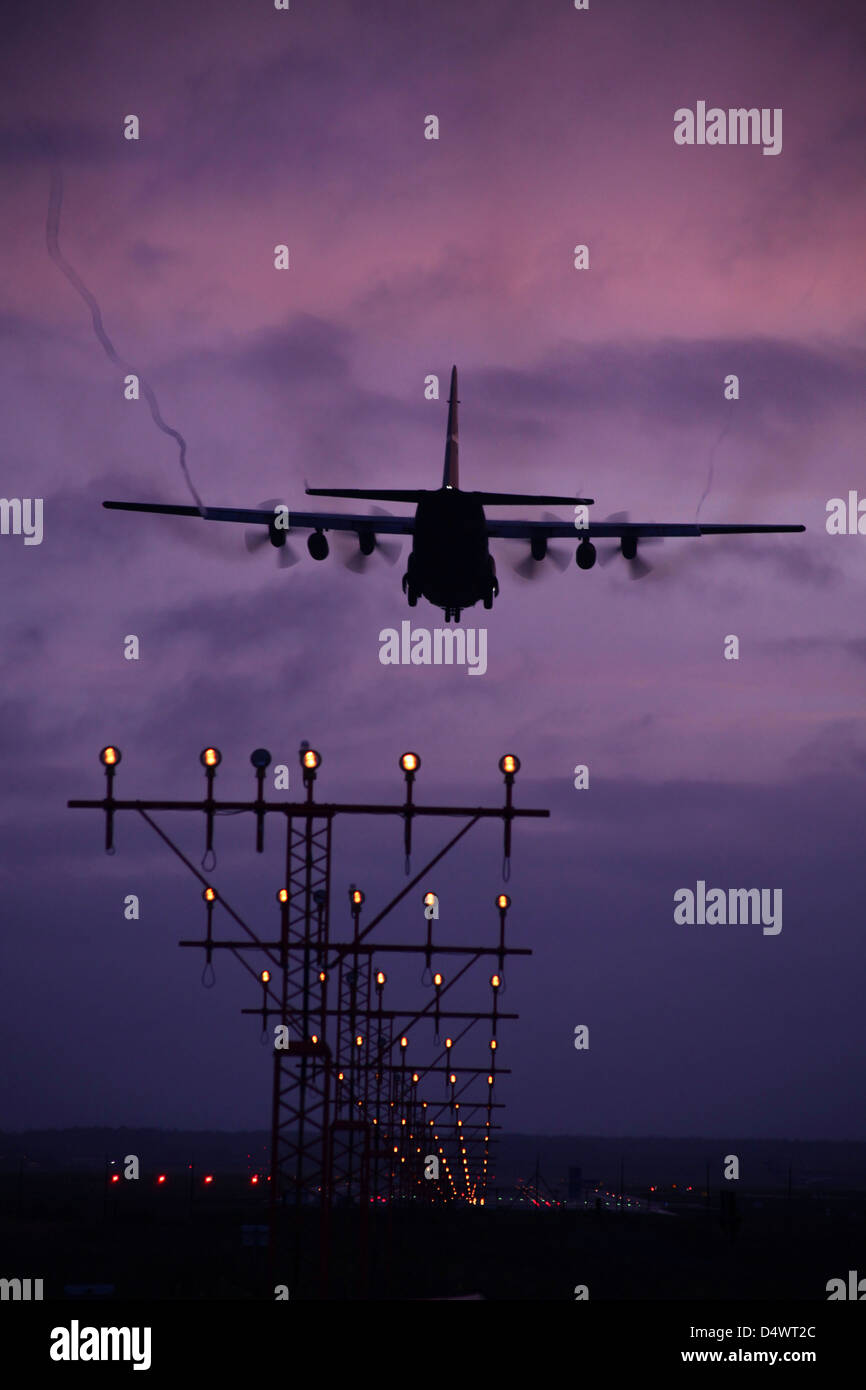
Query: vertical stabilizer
[(451, 475)]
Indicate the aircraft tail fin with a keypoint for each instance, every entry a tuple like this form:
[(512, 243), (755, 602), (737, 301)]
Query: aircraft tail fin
[(451, 472)]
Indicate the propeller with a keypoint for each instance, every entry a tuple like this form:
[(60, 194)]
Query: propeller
[(257, 537), (530, 568), (637, 567), (357, 560)]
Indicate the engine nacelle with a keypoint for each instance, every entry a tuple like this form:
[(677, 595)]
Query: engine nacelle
[(317, 544), (585, 555)]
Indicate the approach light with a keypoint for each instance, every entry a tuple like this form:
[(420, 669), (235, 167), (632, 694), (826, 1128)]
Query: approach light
[(509, 765), (210, 757), (492, 1044), (380, 977), (503, 902), (209, 895), (110, 756), (260, 757), (310, 759), (359, 1041), (495, 981), (415, 1076), (404, 1041), (357, 897), (489, 1080), (322, 977), (410, 762), (282, 895), (314, 1038), (449, 1042), (429, 899), (437, 980), (265, 976), (453, 1079), (341, 1076)]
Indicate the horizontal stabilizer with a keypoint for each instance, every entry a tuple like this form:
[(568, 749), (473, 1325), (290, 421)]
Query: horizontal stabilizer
[(370, 494), (528, 499)]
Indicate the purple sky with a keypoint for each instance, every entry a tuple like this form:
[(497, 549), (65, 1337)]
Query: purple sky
[(306, 127)]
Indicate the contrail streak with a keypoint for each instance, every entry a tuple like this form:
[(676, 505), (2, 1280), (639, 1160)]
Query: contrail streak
[(706, 492), (52, 230)]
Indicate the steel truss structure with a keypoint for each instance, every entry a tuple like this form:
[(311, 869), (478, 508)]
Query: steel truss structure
[(353, 1122)]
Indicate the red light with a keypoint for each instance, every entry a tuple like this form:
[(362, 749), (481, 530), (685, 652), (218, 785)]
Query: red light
[(115, 1177), (161, 1178), (208, 1179), (254, 1179)]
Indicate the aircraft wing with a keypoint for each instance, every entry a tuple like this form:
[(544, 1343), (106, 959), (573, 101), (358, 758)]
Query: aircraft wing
[(264, 516), (525, 530)]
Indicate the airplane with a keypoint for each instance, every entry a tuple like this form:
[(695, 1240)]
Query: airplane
[(450, 564)]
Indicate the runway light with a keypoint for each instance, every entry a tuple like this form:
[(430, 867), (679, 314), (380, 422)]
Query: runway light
[(210, 757), (110, 756), (209, 895), (410, 762), (509, 765)]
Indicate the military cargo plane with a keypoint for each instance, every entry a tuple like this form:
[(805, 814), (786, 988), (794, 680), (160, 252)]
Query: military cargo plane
[(450, 564)]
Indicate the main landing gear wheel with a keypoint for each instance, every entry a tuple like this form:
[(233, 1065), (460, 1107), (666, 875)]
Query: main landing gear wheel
[(452, 614), (412, 594)]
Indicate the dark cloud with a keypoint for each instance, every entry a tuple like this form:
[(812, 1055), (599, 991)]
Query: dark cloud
[(677, 382)]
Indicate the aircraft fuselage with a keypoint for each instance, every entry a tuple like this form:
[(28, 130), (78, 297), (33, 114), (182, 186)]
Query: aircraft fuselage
[(450, 563)]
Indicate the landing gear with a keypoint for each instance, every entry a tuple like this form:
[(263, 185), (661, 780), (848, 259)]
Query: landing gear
[(585, 556), (492, 586), (452, 614), (412, 594)]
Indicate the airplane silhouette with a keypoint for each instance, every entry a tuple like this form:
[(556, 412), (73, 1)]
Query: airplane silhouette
[(450, 563)]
